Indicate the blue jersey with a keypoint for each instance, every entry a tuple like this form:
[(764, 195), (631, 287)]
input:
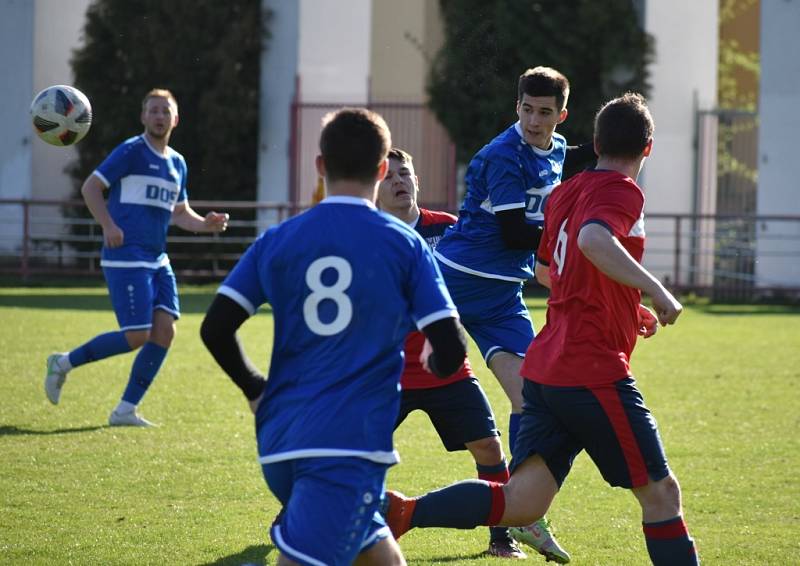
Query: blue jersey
[(346, 283), (144, 187), (507, 173)]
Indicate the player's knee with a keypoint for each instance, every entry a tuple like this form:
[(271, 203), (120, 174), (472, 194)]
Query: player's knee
[(662, 496), (163, 334), (486, 451), (137, 338), (671, 491), (528, 496)]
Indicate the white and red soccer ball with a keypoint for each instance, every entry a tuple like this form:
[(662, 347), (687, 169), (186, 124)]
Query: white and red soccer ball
[(61, 115)]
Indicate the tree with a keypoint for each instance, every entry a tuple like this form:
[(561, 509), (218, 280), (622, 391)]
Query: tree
[(208, 53), (599, 46)]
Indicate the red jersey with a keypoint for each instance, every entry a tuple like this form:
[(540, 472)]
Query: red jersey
[(592, 321), (431, 225)]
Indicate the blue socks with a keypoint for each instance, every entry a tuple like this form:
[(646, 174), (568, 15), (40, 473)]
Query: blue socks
[(669, 543), (100, 347), (463, 505), (513, 429), (145, 367)]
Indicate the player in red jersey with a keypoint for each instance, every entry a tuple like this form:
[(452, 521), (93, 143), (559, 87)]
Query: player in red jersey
[(457, 406), (579, 392)]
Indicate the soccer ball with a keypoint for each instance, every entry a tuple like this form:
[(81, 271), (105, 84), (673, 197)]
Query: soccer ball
[(61, 115)]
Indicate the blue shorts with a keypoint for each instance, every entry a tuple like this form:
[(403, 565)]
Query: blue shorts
[(330, 508), (459, 411), (492, 311), (610, 422), (137, 291)]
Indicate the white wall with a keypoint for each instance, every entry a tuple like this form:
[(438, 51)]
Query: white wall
[(16, 63), (56, 33), (778, 185), (324, 49), (278, 73), (333, 66), (334, 51), (685, 69)]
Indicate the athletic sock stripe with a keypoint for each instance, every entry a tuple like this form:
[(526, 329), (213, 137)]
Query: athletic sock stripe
[(498, 503), (496, 477), (612, 405), (671, 530)]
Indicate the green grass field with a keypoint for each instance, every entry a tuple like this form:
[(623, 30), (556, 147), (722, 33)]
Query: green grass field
[(724, 384)]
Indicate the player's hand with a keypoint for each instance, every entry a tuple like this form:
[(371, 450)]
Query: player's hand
[(217, 221), (667, 307), (113, 236), (427, 350), (648, 323)]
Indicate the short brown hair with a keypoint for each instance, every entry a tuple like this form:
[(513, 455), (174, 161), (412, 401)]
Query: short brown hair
[(623, 127), (544, 81), (353, 143), (400, 155), (160, 93)]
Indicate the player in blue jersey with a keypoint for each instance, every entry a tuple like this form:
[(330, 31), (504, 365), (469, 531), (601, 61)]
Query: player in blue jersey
[(346, 283), (488, 255), (146, 183)]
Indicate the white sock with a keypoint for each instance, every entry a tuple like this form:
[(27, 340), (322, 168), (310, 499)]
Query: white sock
[(63, 363), (125, 407)]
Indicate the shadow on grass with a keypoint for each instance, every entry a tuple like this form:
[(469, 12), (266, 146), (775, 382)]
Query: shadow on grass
[(749, 310), (191, 303), (11, 430), (253, 554), (447, 559)]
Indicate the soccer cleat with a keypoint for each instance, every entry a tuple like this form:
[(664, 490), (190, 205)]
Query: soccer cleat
[(505, 548), (54, 379), (127, 419), (399, 510), (539, 538)]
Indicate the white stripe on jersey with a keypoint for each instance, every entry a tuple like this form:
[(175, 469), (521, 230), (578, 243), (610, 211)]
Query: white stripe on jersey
[(434, 316), (459, 267), (503, 207), (160, 262), (102, 178), (378, 456), (237, 297), (149, 191)]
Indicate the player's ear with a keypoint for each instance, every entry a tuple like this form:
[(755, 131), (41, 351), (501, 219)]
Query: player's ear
[(320, 164), (648, 148), (596, 146), (175, 120), (382, 169), (562, 115)]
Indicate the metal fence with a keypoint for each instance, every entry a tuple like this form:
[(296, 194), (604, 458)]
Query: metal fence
[(51, 237), (719, 256)]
